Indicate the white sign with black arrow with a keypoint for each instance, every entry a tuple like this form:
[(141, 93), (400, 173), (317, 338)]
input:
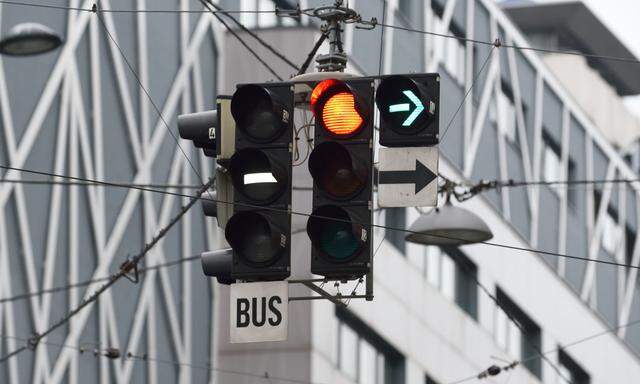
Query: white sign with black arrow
[(407, 177)]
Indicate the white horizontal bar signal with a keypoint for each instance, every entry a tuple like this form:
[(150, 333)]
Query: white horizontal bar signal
[(256, 178)]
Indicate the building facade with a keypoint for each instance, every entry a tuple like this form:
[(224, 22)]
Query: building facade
[(81, 112), (430, 322)]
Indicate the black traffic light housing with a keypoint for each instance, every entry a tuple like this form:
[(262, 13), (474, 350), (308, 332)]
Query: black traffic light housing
[(259, 231), (200, 128), (409, 108), (218, 264), (341, 165)]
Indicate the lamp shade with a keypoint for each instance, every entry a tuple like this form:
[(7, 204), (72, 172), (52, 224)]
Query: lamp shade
[(29, 39), (449, 226)]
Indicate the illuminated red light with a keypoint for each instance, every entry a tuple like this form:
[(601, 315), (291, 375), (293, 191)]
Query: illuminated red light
[(339, 114), (332, 102)]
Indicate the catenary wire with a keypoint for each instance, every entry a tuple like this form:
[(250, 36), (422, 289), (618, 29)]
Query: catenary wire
[(473, 83), (244, 43), (146, 92), (84, 283), (310, 56), (89, 184), (67, 8), (536, 348), (61, 288), (115, 353), (255, 206), (254, 35), (484, 185), (147, 187), (513, 46), (414, 30), (560, 348), (380, 57), (33, 342)]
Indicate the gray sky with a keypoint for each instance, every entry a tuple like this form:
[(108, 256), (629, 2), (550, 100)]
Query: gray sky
[(621, 17)]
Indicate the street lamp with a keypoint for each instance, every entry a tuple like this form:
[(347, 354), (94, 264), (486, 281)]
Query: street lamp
[(449, 226), (27, 39)]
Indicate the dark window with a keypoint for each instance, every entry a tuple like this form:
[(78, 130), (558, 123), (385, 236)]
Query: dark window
[(429, 380), (630, 242), (396, 218), (572, 191), (571, 370), (526, 337), (363, 355), (404, 6), (451, 271)]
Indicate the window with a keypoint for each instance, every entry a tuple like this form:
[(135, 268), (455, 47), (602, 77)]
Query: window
[(363, 356), (396, 218), (429, 380), (268, 18), (520, 345), (630, 242), (449, 52), (506, 116), (348, 351), (454, 275), (404, 6), (571, 370), (611, 232)]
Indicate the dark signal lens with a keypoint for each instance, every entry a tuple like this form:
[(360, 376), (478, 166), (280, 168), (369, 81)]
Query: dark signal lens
[(257, 114), (335, 171), (332, 232), (337, 240), (253, 237)]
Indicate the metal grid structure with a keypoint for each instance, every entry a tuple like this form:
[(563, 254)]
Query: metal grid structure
[(88, 231)]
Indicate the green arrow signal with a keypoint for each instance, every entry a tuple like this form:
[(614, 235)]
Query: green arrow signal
[(404, 107)]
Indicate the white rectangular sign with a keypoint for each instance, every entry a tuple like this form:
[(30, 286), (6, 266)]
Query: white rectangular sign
[(408, 177), (259, 311)]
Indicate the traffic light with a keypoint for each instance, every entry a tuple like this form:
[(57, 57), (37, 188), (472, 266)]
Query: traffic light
[(341, 166), (409, 110), (260, 170), (218, 264), (200, 128)]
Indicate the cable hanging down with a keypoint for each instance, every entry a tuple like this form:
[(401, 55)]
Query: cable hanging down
[(124, 270)]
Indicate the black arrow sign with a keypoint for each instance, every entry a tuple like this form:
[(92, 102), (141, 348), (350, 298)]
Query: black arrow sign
[(421, 176)]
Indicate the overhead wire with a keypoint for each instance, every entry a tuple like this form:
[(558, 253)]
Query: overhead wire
[(464, 98), (555, 350), (244, 43), (98, 11), (93, 184), (113, 353), (513, 46), (68, 8), (141, 270), (254, 206), (523, 331), (296, 13), (85, 283), (472, 190), (254, 35)]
